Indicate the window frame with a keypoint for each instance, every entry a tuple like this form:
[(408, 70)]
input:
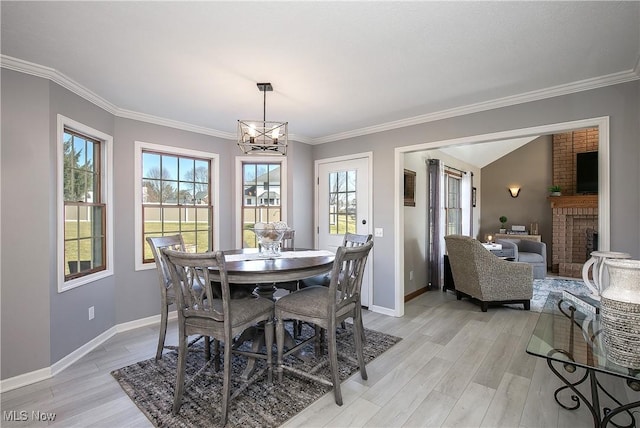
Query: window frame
[(455, 176), (106, 197), (214, 175), (239, 192)]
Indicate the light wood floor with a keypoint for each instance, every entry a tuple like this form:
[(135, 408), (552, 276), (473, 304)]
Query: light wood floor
[(455, 367)]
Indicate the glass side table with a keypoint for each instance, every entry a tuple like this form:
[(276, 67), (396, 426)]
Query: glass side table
[(569, 338)]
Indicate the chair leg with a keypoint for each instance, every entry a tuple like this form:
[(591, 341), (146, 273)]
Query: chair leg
[(280, 346), (268, 337), (226, 383), (364, 338), (358, 335), (216, 354), (318, 342), (207, 348), (333, 363), (182, 359), (164, 314)]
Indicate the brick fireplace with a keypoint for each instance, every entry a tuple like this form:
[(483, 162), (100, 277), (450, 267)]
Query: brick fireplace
[(575, 217), (574, 220)]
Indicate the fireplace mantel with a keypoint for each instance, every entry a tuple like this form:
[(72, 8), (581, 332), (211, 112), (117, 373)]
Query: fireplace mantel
[(574, 201)]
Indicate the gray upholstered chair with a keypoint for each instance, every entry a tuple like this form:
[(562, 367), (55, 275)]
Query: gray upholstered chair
[(481, 275), (326, 307), (528, 251), (200, 313)]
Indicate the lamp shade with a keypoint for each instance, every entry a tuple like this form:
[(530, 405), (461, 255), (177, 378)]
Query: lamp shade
[(258, 136), (514, 191)]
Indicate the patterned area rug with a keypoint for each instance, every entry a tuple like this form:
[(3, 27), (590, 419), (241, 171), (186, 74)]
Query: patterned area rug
[(542, 288), (150, 385)]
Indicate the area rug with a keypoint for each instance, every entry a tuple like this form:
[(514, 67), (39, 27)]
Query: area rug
[(542, 288), (150, 385)]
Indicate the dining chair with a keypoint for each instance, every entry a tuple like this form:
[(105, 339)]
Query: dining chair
[(326, 307), (167, 292), (200, 313), (349, 240)]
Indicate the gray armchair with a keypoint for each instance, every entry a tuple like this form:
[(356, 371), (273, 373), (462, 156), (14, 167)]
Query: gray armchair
[(527, 251), (481, 275)]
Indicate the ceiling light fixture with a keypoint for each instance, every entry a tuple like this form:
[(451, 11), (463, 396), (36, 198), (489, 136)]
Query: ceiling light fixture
[(262, 137)]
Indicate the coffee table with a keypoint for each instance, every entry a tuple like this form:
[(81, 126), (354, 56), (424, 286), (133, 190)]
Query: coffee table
[(569, 338)]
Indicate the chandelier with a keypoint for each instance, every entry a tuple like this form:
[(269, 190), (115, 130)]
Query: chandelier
[(262, 137)]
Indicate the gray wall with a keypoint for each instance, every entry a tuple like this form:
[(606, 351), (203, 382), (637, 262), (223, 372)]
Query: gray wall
[(530, 167), (40, 326), (620, 102), (27, 260)]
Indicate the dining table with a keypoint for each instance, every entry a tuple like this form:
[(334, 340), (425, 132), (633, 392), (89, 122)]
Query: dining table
[(249, 266)]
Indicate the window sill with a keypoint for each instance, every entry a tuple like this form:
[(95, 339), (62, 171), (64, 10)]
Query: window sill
[(77, 282)]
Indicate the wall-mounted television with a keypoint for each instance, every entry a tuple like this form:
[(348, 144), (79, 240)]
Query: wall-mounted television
[(587, 172)]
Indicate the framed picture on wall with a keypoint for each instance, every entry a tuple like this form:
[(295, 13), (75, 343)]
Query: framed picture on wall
[(409, 188), (473, 197)]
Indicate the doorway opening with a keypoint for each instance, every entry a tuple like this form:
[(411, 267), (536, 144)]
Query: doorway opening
[(601, 123)]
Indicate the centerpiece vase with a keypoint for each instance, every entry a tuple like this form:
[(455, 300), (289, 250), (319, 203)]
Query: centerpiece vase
[(620, 312)]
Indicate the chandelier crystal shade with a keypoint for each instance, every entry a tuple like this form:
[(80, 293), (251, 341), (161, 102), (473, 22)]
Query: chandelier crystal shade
[(260, 136)]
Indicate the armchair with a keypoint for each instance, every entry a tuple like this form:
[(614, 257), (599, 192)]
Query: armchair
[(480, 275), (527, 251)]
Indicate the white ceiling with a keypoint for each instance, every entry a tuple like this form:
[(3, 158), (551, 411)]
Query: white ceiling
[(338, 69)]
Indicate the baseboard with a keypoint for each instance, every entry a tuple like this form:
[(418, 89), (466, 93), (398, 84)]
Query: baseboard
[(48, 372), (415, 294), (25, 379), (382, 310)]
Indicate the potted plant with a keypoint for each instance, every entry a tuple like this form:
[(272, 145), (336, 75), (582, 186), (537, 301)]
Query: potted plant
[(555, 190), (503, 221)]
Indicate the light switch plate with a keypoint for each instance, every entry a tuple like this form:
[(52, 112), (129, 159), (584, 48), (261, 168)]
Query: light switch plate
[(378, 232)]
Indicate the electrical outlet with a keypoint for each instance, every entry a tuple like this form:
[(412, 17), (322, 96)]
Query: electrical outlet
[(91, 313), (378, 232)]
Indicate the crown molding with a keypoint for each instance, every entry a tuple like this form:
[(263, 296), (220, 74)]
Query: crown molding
[(570, 88), (37, 70), (143, 117)]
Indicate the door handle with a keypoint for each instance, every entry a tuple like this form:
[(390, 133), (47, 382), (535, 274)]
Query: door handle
[(364, 221)]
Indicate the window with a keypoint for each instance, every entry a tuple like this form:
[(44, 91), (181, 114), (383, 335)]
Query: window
[(174, 195), (453, 207), (342, 202), (263, 190), (84, 204)]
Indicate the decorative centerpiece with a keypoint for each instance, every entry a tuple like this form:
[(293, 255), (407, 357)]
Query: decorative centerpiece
[(269, 236), (620, 311)]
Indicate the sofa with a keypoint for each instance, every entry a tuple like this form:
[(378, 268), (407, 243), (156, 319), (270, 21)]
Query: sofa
[(527, 251), (483, 276)]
